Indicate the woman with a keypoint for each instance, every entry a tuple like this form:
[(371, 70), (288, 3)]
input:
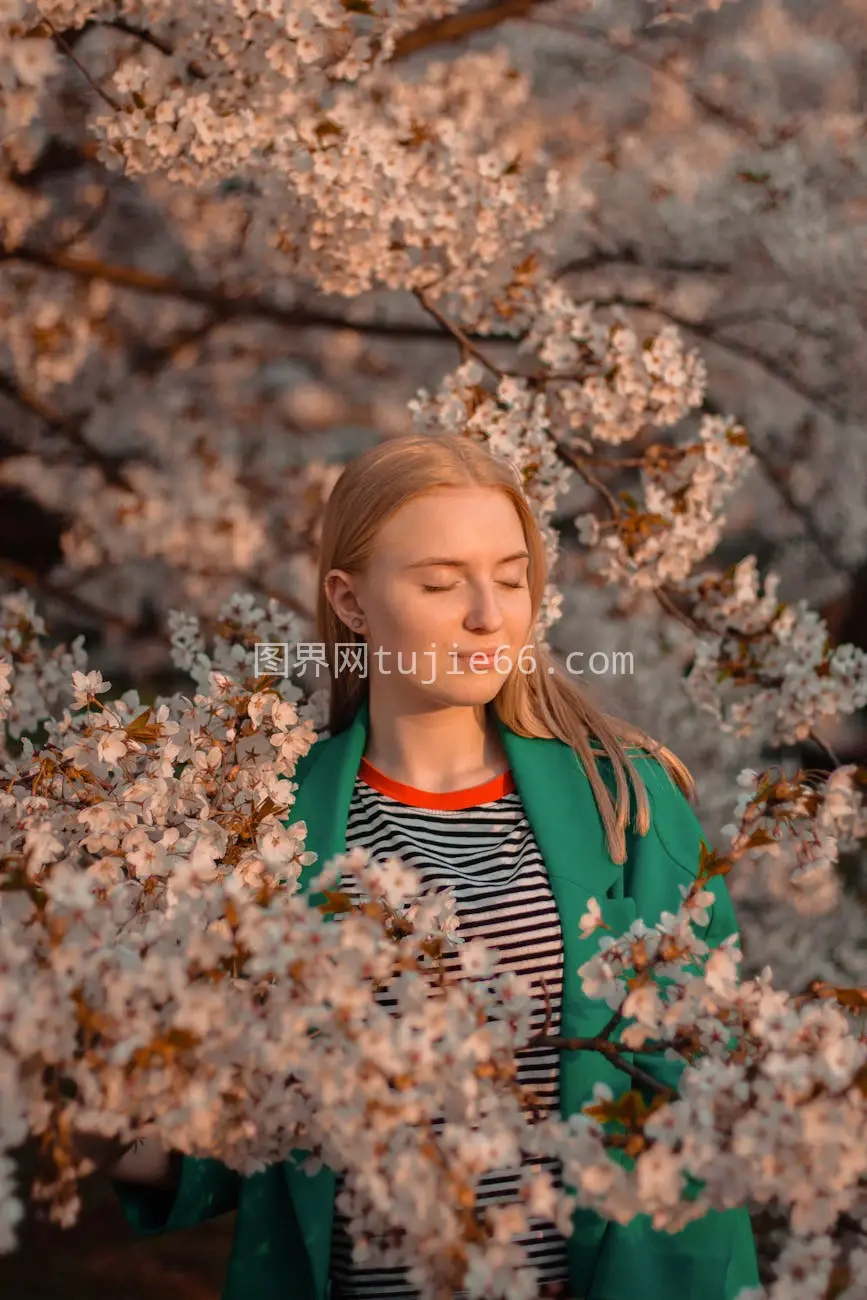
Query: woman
[(495, 776)]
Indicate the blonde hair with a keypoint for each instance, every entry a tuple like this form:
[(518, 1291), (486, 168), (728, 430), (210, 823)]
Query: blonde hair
[(543, 703)]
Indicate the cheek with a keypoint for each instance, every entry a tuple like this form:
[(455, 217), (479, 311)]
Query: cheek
[(520, 614), (409, 620)]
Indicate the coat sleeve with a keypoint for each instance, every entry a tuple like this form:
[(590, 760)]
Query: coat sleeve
[(207, 1188), (712, 1258)]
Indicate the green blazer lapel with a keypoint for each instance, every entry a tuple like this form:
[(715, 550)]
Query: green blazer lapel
[(561, 808), (325, 793)]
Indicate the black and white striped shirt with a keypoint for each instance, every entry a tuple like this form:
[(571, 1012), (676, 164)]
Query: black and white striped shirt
[(479, 842)]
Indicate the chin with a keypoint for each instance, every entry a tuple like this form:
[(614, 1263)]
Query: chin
[(481, 690)]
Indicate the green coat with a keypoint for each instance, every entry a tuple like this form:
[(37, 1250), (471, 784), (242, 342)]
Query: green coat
[(283, 1227)]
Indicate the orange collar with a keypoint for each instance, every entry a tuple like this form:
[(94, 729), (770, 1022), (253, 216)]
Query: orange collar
[(446, 801)]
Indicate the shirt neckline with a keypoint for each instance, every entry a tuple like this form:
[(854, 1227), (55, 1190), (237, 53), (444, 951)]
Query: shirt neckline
[(445, 800)]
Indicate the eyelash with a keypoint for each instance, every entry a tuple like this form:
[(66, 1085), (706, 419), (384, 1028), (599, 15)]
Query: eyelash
[(515, 586)]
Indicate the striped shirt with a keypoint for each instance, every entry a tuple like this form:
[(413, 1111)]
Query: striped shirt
[(479, 842)]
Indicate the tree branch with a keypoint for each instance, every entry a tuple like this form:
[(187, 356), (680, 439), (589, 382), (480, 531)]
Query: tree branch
[(629, 256), (67, 426), (468, 347), (228, 304), (611, 1051), (27, 577), (777, 477), (628, 49), (458, 26), (63, 44), (74, 34), (706, 331)]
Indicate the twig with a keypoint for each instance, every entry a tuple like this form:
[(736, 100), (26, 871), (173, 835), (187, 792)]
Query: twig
[(611, 1051), (630, 257), (70, 54), (88, 222), (722, 112), (468, 348), (664, 599), (823, 744), (67, 426), (73, 35), (581, 467)]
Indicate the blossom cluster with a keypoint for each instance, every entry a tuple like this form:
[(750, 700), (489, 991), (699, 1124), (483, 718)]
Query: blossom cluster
[(389, 181), (766, 665), (150, 877)]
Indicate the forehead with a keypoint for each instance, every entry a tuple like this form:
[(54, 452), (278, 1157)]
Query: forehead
[(460, 522)]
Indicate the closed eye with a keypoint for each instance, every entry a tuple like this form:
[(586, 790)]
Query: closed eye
[(515, 586)]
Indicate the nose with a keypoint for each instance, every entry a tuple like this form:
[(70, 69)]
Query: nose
[(484, 614)]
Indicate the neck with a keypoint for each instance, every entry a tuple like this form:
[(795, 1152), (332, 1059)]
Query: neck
[(434, 747)]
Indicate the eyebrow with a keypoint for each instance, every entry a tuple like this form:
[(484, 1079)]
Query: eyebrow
[(460, 564)]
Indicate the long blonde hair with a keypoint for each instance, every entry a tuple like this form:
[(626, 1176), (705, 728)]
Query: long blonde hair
[(543, 703)]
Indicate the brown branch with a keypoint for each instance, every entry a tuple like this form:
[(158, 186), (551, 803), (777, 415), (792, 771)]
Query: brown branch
[(823, 744), (31, 402), (67, 426), (150, 359), (665, 601), (63, 44), (468, 347), (20, 573), (777, 478), (233, 305), (580, 464), (820, 539), (612, 1053), (459, 26), (74, 34), (608, 1030), (722, 112), (631, 257), (599, 258), (55, 158), (230, 304), (776, 371), (141, 33), (88, 223), (582, 467), (80, 604), (564, 453)]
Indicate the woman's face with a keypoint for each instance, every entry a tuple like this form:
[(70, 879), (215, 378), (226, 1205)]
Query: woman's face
[(447, 578)]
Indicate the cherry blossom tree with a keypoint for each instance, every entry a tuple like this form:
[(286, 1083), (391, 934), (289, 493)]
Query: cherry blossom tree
[(623, 244)]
